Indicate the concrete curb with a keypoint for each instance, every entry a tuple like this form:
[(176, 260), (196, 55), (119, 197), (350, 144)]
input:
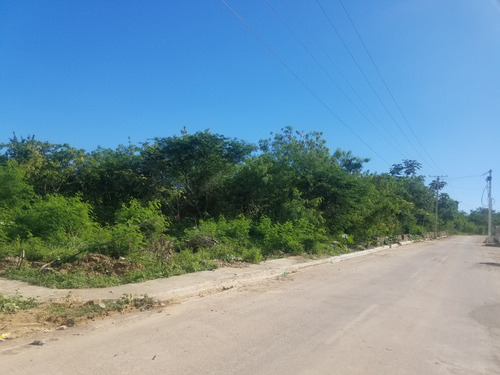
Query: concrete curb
[(188, 285)]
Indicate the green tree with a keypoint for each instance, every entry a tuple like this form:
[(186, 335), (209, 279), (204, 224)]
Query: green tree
[(15, 195), (54, 219), (289, 165), (295, 177), (111, 178), (14, 191), (196, 165), (348, 161), (136, 227), (408, 168), (49, 168)]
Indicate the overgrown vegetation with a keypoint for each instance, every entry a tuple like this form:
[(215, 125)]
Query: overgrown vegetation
[(11, 304), (190, 202)]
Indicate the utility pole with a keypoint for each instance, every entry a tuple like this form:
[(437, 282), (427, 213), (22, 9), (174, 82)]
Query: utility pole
[(490, 240), (438, 185)]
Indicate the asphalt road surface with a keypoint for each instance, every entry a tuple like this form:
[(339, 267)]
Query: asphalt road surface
[(427, 308)]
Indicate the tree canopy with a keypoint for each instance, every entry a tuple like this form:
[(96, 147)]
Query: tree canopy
[(290, 194)]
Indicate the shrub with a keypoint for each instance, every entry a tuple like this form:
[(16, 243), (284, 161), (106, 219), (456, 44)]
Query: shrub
[(146, 219), (290, 237), (136, 227), (187, 261), (12, 304), (252, 255), (234, 231), (54, 219), (210, 232)]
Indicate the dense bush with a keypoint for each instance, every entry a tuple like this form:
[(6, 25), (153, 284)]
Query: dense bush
[(179, 202), (54, 219), (290, 237), (136, 227)]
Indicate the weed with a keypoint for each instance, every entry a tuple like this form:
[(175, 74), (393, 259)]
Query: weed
[(75, 280), (12, 304)]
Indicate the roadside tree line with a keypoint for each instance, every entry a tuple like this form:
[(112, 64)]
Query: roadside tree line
[(187, 193)]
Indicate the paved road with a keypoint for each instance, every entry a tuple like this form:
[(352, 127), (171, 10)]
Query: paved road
[(429, 308)]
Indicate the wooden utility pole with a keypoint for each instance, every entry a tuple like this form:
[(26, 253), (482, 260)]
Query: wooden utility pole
[(438, 187), (490, 239), (436, 216)]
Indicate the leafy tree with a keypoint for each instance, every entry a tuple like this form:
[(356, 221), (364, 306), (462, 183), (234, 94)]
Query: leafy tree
[(147, 218), (348, 162), (49, 168), (478, 218), (136, 227), (288, 164), (389, 212), (198, 165), (111, 178), (422, 197), (295, 177), (407, 169), (54, 219), (15, 194), (14, 191), (437, 185)]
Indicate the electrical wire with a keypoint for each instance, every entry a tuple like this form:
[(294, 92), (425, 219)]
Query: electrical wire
[(482, 196), (287, 67), (386, 86), (339, 72), (288, 27), (371, 85), (472, 176)]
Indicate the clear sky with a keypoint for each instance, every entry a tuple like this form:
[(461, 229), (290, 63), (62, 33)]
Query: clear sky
[(100, 72)]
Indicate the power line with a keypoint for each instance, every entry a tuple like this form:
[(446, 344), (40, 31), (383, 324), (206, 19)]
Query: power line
[(288, 27), (385, 84), (287, 67), (472, 176), (369, 83), (390, 134)]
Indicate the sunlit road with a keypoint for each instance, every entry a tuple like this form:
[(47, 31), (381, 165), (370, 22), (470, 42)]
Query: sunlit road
[(428, 308)]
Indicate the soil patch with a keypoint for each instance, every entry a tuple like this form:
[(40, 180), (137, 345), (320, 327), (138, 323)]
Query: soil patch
[(66, 312), (98, 264)]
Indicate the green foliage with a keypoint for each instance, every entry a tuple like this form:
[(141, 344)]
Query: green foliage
[(187, 261), (49, 168), (408, 168), (147, 218), (109, 179), (349, 162), (136, 227), (199, 164), (14, 191), (226, 240), (230, 253), (15, 195), (74, 280), (235, 232), (35, 249), (11, 304), (252, 255), (477, 221), (179, 202), (54, 219), (289, 237)]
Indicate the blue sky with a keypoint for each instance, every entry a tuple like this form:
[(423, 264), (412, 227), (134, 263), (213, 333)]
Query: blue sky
[(96, 73)]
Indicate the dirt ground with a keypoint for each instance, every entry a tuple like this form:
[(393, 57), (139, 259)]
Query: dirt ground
[(63, 312), (67, 312)]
